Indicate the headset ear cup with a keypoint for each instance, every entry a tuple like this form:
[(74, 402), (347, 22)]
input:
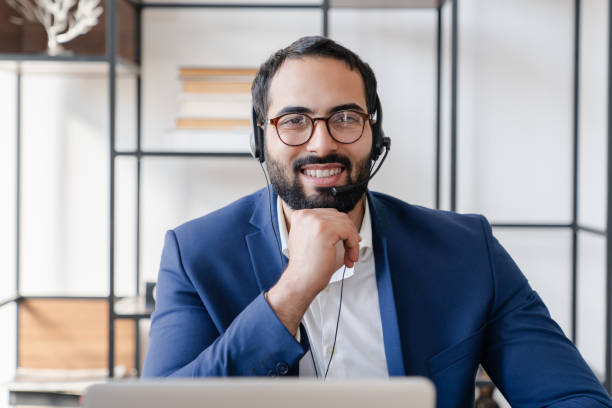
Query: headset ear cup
[(377, 145), (257, 146), (377, 132)]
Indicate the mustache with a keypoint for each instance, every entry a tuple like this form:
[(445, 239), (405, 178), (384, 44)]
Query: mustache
[(330, 158)]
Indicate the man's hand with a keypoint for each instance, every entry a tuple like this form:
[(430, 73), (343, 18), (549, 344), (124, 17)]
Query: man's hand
[(321, 240)]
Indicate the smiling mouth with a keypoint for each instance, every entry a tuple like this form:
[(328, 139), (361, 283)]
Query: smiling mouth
[(322, 173)]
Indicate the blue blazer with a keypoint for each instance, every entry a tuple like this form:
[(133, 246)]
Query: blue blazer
[(450, 298)]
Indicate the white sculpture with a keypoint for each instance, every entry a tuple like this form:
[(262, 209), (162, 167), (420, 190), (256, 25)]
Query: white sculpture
[(60, 18)]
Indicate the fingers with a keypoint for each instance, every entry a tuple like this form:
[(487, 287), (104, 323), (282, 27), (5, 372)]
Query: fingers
[(350, 239), (351, 250), (348, 260), (328, 226)]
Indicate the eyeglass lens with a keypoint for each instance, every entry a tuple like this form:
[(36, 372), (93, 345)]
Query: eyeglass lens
[(296, 128)]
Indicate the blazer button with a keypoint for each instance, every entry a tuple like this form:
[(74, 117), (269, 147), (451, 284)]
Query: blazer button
[(272, 373), (282, 368)]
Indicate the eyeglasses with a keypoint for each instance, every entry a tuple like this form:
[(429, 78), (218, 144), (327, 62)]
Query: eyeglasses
[(295, 129)]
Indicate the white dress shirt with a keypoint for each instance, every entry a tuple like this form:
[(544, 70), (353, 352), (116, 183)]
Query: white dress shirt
[(359, 348)]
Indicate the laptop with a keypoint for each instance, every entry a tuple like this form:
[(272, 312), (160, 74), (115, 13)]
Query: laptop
[(263, 393)]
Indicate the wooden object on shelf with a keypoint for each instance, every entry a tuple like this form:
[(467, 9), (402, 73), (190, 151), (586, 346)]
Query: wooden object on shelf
[(71, 334), (216, 80), (229, 87), (32, 38), (214, 98), (212, 72)]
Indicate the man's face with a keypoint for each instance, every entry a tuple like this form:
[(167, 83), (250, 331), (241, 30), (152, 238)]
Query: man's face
[(317, 86)]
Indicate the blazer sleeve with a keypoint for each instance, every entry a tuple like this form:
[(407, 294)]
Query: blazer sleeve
[(527, 355), (184, 341)]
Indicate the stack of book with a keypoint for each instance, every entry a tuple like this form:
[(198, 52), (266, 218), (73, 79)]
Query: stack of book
[(215, 105)]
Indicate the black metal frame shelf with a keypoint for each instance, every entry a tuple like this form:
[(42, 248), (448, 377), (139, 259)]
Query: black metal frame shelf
[(240, 6), (27, 57), (52, 58), (20, 298), (595, 231), (182, 154), (116, 307)]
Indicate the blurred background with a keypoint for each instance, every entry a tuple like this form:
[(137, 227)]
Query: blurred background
[(530, 153)]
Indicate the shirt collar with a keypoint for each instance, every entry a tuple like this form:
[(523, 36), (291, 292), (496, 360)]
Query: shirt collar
[(365, 246)]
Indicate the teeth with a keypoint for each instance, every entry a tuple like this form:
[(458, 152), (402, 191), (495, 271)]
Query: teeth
[(322, 173)]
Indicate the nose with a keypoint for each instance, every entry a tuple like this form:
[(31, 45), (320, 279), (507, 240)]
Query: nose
[(321, 141)]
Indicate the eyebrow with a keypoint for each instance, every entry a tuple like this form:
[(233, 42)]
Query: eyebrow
[(303, 109)]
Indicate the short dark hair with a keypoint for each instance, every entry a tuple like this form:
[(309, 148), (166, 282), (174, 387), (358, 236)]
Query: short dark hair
[(309, 46)]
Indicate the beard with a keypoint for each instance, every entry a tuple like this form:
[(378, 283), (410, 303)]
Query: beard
[(286, 183)]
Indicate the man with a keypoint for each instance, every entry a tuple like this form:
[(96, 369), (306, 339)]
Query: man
[(370, 286)]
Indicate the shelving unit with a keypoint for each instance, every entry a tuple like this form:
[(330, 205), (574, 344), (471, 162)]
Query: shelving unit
[(110, 64), (127, 312), (133, 308)]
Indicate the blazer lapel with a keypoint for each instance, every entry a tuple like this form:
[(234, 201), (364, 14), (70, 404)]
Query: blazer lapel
[(267, 267), (264, 250), (386, 298), (262, 244)]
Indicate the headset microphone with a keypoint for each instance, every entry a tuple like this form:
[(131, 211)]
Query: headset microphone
[(386, 143)]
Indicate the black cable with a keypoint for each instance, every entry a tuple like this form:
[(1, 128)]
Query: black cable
[(337, 324), (313, 361), (280, 253)]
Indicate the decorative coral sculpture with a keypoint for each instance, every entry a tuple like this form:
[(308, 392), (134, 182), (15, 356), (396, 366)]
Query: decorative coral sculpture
[(60, 18)]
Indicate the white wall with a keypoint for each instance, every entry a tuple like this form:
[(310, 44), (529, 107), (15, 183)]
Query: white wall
[(515, 139), (592, 192), (515, 131), (65, 180)]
